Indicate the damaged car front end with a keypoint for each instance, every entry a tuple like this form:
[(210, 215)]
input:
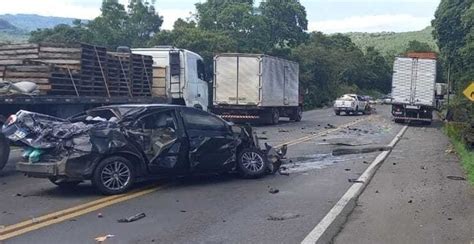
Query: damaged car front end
[(116, 146)]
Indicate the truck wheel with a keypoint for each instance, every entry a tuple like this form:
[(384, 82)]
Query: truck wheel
[(337, 112), (4, 151), (275, 116), (64, 184), (297, 114), (113, 175), (251, 163)]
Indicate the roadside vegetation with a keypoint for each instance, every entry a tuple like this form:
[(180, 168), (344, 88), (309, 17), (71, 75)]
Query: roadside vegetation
[(454, 33), (454, 132)]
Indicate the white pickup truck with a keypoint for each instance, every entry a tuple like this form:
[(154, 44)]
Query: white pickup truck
[(351, 104)]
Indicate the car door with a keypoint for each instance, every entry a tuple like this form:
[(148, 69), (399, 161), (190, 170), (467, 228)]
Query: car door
[(212, 145), (163, 142)]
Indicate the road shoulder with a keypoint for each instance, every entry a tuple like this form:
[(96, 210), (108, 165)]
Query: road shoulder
[(411, 199)]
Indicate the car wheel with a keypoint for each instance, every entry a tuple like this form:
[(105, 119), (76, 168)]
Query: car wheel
[(251, 163), (64, 184), (113, 175), (4, 151)]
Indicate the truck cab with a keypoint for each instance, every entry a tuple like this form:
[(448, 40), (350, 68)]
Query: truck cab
[(178, 74)]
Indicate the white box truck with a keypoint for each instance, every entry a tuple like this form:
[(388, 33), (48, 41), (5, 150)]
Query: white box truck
[(413, 88), (256, 87), (178, 74)]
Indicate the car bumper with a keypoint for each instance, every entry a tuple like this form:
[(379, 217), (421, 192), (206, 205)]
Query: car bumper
[(344, 109), (43, 169)]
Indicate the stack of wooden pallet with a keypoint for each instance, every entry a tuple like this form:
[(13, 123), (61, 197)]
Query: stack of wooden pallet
[(82, 69)]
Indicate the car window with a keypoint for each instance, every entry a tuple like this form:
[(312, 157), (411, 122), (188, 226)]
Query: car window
[(159, 120), (200, 120)]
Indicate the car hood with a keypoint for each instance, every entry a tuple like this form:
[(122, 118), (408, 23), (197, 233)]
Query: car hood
[(40, 131)]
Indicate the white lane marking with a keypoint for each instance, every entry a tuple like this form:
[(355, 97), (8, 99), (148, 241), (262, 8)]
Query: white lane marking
[(320, 233)]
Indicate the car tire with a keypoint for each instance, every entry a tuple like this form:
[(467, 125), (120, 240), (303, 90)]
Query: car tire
[(114, 175), (64, 184), (252, 163), (4, 151)]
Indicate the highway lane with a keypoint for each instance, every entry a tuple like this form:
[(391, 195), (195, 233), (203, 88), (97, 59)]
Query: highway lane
[(217, 208)]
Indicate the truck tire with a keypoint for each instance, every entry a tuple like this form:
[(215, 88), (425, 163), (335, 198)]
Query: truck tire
[(337, 112), (117, 169), (251, 163), (297, 114), (274, 116), (4, 151)]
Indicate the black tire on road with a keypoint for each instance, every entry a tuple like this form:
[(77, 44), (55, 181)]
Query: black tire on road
[(114, 175), (64, 184), (337, 112), (251, 163), (4, 151)]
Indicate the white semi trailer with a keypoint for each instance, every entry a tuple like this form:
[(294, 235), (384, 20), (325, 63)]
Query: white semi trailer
[(413, 88), (256, 87)]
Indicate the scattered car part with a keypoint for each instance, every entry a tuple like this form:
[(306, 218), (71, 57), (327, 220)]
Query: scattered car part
[(132, 218)]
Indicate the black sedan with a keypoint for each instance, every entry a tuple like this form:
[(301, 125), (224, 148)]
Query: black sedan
[(116, 146)]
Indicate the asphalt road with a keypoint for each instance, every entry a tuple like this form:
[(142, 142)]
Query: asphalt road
[(216, 209)]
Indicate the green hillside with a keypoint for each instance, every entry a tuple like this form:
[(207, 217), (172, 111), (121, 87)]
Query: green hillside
[(391, 43)]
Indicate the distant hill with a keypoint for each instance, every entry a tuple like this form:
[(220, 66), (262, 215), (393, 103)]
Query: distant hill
[(31, 22), (16, 27), (391, 43)]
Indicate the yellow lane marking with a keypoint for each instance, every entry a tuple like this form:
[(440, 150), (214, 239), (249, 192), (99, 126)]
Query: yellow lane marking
[(62, 215), (56, 217)]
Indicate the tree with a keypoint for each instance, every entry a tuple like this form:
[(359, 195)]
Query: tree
[(453, 30), (132, 26), (416, 46), (286, 21), (62, 34)]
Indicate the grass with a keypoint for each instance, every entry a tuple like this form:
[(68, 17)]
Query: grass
[(454, 132)]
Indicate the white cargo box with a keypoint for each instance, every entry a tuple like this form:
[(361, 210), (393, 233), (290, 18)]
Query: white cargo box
[(414, 81), (255, 80)]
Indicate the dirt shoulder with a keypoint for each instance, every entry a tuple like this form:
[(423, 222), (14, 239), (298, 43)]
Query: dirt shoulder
[(412, 199)]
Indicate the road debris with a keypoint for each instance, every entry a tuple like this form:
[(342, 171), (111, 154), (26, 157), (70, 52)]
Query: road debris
[(99, 215), (132, 218), (283, 216), (355, 181), (101, 239), (347, 169), (330, 126), (345, 151), (452, 177), (183, 211), (283, 130), (410, 201), (273, 190)]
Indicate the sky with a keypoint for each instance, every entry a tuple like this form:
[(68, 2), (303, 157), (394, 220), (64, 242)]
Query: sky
[(328, 16)]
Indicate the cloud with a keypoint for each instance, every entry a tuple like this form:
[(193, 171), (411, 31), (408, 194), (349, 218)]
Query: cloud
[(171, 15), (372, 23), (64, 8)]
